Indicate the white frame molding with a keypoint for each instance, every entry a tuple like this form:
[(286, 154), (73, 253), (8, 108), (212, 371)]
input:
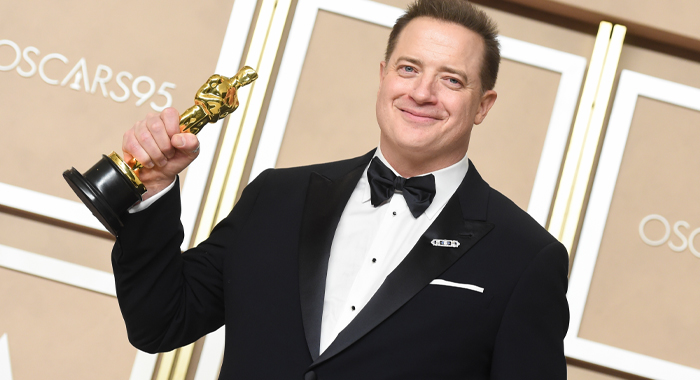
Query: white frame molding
[(571, 67), (630, 87), (76, 213)]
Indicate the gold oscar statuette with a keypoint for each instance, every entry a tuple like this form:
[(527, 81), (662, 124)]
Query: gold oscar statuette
[(112, 186)]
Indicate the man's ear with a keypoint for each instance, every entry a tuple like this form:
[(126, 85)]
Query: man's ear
[(487, 101), (382, 67)]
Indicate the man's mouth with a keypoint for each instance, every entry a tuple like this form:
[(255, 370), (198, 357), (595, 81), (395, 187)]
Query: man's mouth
[(418, 116)]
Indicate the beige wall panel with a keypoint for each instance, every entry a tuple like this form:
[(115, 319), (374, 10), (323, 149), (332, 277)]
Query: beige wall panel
[(675, 16), (644, 298), (541, 33), (660, 65), (403, 4), (50, 128), (333, 115), (578, 373), (506, 147), (56, 331)]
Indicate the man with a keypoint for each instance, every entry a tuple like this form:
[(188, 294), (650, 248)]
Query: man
[(348, 270)]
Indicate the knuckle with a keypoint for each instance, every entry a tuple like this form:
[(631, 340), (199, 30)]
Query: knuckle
[(158, 126), (173, 127), (145, 136), (151, 119)]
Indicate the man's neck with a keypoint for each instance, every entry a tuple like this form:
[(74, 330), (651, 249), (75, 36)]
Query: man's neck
[(414, 165)]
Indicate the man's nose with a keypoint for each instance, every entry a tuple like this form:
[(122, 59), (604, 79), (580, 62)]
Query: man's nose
[(424, 90)]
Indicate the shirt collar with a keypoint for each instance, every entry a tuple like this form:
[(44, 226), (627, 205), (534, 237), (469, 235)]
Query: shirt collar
[(447, 180)]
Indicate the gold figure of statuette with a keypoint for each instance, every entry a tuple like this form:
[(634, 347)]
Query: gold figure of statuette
[(215, 100)]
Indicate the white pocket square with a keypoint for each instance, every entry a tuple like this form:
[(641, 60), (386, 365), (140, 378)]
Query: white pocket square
[(457, 285)]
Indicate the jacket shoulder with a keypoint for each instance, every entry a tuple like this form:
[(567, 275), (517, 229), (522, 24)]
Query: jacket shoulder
[(516, 222)]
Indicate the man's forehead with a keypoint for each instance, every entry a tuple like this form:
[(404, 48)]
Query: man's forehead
[(435, 27)]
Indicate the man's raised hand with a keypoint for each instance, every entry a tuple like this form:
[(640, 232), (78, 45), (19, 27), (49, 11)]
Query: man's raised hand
[(164, 152)]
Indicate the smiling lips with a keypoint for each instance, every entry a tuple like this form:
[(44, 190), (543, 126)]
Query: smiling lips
[(419, 115)]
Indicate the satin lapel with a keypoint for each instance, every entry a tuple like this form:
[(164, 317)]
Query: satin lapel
[(325, 202), (425, 262)]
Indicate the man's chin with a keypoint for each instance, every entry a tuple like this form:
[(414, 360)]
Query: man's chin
[(414, 150)]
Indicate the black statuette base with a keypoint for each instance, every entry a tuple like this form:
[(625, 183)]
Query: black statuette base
[(106, 191)]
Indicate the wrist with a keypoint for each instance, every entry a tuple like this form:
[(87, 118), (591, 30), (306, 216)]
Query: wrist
[(151, 198), (154, 187)]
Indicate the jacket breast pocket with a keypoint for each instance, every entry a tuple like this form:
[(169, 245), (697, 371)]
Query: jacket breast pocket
[(459, 292)]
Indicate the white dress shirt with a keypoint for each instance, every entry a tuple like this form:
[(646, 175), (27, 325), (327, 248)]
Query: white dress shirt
[(370, 243)]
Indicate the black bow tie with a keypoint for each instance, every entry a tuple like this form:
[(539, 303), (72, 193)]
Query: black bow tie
[(417, 191)]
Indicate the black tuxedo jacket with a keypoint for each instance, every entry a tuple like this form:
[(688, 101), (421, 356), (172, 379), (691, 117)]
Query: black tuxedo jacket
[(262, 273)]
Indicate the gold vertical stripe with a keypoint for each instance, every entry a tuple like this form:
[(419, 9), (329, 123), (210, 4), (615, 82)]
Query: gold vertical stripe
[(585, 167), (182, 362), (166, 364), (239, 133), (585, 136), (247, 128), (578, 133)]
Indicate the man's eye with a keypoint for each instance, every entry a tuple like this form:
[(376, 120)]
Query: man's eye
[(408, 69), (454, 81)]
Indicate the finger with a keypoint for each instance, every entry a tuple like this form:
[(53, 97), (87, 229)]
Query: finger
[(187, 143), (153, 138), (158, 131), (132, 149), (144, 147), (171, 120)]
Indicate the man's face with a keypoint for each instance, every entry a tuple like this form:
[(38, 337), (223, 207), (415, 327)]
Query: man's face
[(430, 94)]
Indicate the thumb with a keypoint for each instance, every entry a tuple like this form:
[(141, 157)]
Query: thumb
[(187, 143)]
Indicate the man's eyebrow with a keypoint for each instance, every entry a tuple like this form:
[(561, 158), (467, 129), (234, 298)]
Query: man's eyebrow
[(414, 61), (454, 71)]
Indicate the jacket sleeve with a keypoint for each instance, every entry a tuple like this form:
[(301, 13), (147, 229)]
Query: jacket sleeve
[(167, 298), (530, 340)]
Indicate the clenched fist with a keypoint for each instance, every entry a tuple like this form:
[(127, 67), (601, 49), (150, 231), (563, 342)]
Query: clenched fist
[(158, 144)]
